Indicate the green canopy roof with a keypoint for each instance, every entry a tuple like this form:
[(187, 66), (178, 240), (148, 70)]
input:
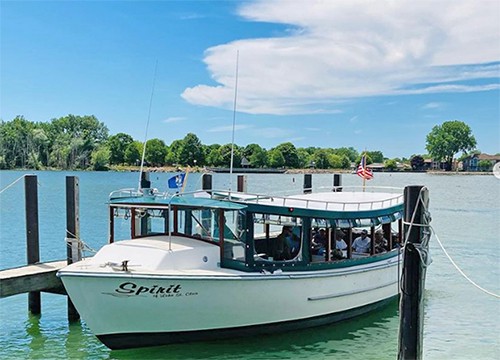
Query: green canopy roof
[(184, 201)]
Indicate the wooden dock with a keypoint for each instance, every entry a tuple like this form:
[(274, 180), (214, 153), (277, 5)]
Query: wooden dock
[(34, 277)]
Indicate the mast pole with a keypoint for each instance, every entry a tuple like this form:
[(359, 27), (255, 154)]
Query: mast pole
[(147, 126), (234, 122)]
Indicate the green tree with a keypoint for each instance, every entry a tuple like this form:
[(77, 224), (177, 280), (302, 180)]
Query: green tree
[(214, 157), (321, 159), (76, 137), (117, 144), (445, 140), (258, 157), (255, 154), (100, 158), (391, 164), (376, 156), (190, 151), (133, 153), (305, 157), (351, 153), (289, 153), (345, 162), (16, 142), (276, 158), (173, 153), (156, 152), (337, 161), (225, 153), (484, 165)]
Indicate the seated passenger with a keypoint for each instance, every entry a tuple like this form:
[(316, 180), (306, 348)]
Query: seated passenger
[(380, 242), (319, 242), (340, 245), (362, 243), (287, 244)]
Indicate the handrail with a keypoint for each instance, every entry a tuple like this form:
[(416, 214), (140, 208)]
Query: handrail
[(308, 203), (283, 200)]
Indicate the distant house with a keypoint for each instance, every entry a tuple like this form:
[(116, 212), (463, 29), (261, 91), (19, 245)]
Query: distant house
[(245, 163), (430, 164), (376, 167), (471, 163)]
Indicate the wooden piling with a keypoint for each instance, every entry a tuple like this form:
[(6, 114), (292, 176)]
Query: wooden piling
[(307, 183), (32, 236), (206, 182), (337, 182), (242, 183), (411, 313), (74, 253)]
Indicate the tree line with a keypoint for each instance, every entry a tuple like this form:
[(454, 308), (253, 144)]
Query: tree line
[(83, 142)]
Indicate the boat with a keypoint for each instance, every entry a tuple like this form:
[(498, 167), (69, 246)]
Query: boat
[(211, 264)]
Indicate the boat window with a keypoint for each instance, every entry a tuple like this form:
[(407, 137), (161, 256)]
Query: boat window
[(148, 221), (234, 235), (204, 224), (277, 238)]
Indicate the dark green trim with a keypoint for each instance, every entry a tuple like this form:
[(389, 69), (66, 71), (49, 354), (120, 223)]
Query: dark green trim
[(323, 214), (290, 265)]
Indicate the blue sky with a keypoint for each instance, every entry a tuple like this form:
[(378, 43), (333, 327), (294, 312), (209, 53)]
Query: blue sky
[(371, 75)]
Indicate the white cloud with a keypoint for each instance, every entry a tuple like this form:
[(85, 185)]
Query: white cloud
[(338, 50), (432, 105), (229, 128), (174, 119)]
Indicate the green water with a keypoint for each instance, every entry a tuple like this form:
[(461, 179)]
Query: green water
[(460, 322)]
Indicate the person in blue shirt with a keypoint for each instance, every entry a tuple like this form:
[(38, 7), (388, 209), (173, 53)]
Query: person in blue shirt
[(287, 244)]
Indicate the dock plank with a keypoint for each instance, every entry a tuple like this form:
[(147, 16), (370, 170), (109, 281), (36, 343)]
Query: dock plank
[(36, 277)]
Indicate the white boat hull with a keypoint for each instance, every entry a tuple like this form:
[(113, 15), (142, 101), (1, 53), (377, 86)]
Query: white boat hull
[(129, 309)]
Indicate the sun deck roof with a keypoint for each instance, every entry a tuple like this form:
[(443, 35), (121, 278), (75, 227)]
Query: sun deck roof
[(333, 201), (186, 201)]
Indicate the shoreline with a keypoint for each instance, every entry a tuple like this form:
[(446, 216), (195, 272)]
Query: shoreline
[(175, 169)]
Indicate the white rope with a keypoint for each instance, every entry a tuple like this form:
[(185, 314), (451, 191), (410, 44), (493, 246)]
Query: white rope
[(82, 245), (460, 270), (12, 183), (422, 248)]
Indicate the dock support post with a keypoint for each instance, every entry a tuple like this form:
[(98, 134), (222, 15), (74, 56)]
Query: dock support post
[(411, 313), (74, 252), (32, 236), (242, 183), (337, 182), (206, 182), (307, 183)]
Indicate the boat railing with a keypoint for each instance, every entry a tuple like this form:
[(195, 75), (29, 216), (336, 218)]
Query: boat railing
[(308, 203), (133, 192), (121, 193)]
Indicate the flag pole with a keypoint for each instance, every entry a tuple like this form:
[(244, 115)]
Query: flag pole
[(363, 159), (185, 180)]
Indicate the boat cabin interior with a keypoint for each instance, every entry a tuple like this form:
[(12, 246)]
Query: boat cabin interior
[(254, 237)]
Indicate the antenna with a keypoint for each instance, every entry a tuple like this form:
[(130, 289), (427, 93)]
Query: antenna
[(147, 125), (234, 121)]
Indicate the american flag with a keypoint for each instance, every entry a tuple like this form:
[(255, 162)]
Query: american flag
[(363, 171)]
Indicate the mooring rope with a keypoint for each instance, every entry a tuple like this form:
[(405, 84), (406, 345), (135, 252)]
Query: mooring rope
[(422, 248), (82, 245), (460, 270), (12, 183)]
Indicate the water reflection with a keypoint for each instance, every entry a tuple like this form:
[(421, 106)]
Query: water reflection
[(373, 336)]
